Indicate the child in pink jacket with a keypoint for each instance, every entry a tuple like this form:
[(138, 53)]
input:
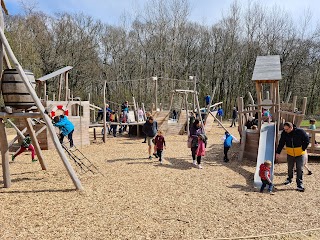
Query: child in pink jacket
[(201, 150)]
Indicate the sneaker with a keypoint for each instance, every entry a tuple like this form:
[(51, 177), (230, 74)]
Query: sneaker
[(287, 182), (271, 193), (12, 157), (144, 142), (300, 188), (160, 162), (34, 160), (194, 162), (155, 155), (309, 173), (150, 157), (71, 149), (199, 166), (226, 160)]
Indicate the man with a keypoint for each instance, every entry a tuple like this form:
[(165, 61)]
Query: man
[(150, 128), (296, 141), (234, 116)]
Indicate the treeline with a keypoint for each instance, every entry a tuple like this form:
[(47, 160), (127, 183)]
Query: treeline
[(162, 41)]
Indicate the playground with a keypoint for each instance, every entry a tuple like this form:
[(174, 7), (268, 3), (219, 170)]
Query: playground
[(140, 199)]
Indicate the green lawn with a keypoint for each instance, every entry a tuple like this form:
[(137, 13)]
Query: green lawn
[(305, 123)]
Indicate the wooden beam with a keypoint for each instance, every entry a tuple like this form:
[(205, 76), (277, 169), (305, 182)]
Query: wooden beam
[(20, 115), (104, 138), (55, 73)]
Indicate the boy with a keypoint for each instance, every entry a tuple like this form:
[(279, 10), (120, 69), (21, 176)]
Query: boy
[(66, 128), (160, 144), (264, 174), (228, 138), (26, 144)]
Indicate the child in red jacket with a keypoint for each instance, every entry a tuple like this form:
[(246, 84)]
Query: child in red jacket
[(201, 150), (264, 174), (160, 143)]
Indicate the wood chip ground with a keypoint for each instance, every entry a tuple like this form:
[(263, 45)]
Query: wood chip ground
[(140, 199)]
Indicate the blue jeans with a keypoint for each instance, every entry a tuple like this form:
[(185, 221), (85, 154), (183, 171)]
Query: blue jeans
[(299, 165), (264, 184)]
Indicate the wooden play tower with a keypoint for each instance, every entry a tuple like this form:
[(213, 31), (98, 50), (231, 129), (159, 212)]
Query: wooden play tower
[(266, 77), (20, 97)]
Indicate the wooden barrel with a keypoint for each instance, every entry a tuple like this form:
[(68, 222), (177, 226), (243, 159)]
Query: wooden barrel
[(15, 93)]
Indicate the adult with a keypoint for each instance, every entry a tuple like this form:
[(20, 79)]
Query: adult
[(174, 114), (195, 131), (150, 128), (66, 128), (234, 116), (296, 141)]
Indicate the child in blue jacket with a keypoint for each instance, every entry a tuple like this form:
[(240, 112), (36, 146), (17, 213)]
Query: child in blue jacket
[(228, 138), (66, 128)]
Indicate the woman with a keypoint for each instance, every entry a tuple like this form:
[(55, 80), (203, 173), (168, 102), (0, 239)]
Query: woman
[(195, 131)]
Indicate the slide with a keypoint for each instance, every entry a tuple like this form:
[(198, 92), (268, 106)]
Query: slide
[(266, 150)]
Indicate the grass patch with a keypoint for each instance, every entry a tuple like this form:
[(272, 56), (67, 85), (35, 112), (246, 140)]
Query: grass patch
[(305, 123)]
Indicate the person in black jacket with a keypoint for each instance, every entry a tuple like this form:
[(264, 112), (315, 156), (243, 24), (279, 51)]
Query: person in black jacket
[(234, 116), (150, 128), (296, 141)]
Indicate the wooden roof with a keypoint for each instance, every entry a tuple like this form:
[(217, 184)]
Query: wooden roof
[(54, 74), (267, 68)]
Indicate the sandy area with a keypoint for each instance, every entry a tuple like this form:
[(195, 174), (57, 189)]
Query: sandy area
[(140, 199)]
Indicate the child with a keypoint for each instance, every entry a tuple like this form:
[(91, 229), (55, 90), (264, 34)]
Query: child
[(26, 144), (312, 123), (264, 174), (201, 150), (266, 116), (228, 138), (66, 128), (160, 143)]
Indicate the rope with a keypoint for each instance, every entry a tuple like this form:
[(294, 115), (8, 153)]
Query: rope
[(135, 80), (270, 235)]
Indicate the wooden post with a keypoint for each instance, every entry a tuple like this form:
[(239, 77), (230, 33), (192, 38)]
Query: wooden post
[(155, 79), (277, 110), (144, 111), (243, 142), (1, 46), (240, 117), (198, 107), (135, 109), (4, 155), (60, 87), (44, 90), (259, 99), (66, 85), (104, 137), (294, 103), (187, 112), (95, 134), (41, 108), (53, 97), (195, 89), (35, 143)]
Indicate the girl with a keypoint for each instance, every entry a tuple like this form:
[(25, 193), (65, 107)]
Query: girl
[(201, 150), (195, 130), (26, 145)]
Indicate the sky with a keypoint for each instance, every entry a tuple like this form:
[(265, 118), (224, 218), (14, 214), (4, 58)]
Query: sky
[(202, 11)]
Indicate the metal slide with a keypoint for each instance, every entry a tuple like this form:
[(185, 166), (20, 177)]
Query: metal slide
[(266, 149)]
